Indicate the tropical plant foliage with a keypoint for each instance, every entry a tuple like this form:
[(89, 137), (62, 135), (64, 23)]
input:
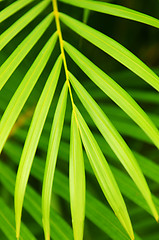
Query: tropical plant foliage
[(59, 107)]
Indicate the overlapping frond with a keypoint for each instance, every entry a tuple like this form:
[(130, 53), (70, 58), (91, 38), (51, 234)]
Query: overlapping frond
[(76, 142)]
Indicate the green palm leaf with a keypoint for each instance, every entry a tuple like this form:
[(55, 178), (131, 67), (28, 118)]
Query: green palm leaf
[(104, 175), (21, 23), (13, 8), (22, 50), (32, 140), (77, 180), (7, 224), (28, 36), (115, 141), (113, 48), (116, 93), (32, 204), (21, 95), (115, 10), (54, 142)]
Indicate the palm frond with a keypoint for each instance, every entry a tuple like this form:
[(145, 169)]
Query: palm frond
[(31, 74), (115, 10), (77, 180), (113, 48), (52, 153)]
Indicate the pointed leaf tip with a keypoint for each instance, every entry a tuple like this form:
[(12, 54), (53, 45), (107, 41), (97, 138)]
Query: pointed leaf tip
[(53, 147), (17, 223), (77, 180), (156, 218), (132, 237), (104, 175), (17, 236)]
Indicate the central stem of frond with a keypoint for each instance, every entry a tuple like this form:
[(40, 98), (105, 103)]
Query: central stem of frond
[(56, 14)]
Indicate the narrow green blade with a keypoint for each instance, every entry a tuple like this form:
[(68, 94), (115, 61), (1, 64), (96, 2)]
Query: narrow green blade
[(32, 140), (21, 23), (52, 153), (113, 48), (115, 92), (94, 208), (115, 141), (115, 10), (7, 224), (76, 180), (32, 203), (22, 93), (13, 8), (104, 175), (12, 62), (145, 96)]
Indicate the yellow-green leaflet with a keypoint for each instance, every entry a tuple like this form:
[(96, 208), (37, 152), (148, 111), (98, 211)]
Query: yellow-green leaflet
[(32, 203), (115, 141), (22, 50), (115, 10), (52, 153), (76, 180), (12, 8), (21, 23), (22, 93), (113, 48), (115, 92), (7, 223), (104, 175), (32, 140)]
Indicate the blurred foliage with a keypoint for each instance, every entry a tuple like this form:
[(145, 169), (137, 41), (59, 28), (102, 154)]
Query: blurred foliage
[(143, 41)]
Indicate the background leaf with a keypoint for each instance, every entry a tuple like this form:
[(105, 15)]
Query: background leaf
[(21, 44)]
